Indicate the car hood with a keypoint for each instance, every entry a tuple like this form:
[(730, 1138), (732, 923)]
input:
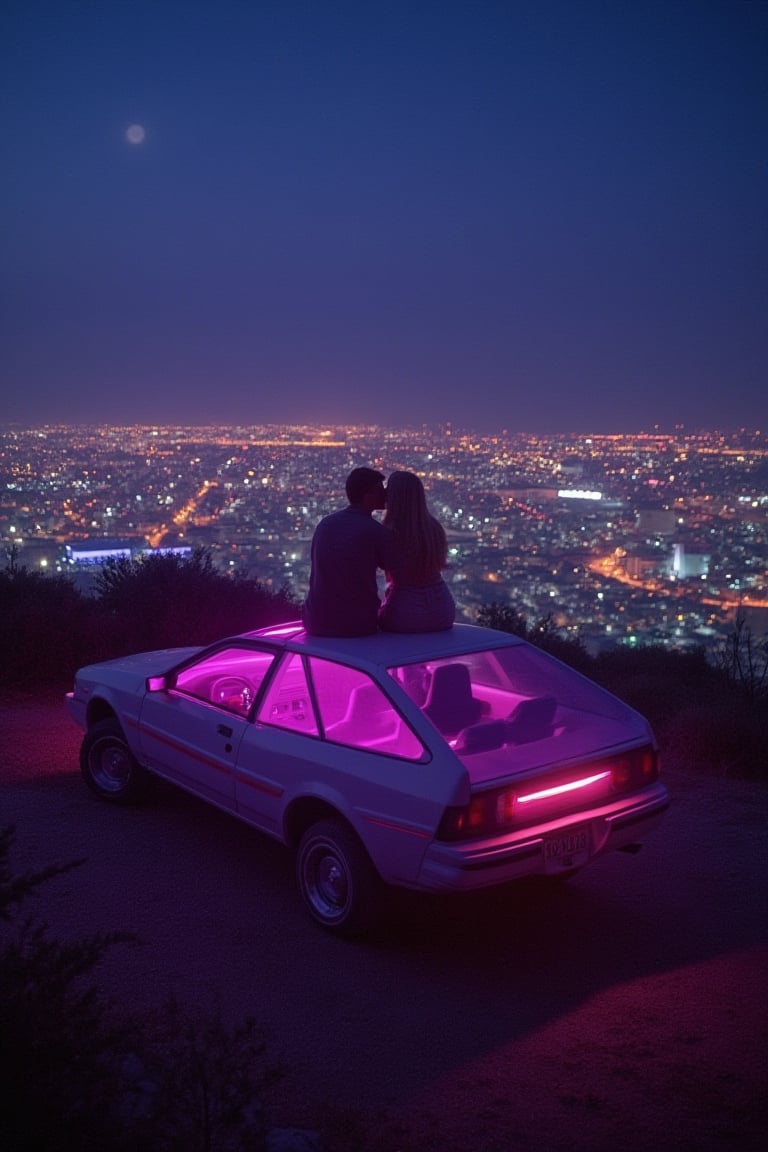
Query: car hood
[(140, 665)]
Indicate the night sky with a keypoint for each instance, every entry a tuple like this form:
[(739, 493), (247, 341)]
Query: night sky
[(546, 216)]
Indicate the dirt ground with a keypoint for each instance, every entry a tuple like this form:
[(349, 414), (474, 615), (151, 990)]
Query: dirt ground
[(626, 1010)]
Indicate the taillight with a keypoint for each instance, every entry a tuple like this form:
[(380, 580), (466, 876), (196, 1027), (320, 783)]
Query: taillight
[(495, 811), (635, 769), (487, 814)]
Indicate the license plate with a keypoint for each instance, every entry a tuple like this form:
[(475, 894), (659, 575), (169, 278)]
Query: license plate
[(568, 850)]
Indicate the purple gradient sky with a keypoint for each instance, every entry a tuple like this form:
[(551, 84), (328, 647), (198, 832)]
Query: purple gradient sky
[(545, 216)]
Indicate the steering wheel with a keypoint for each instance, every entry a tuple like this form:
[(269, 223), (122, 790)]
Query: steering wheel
[(232, 692)]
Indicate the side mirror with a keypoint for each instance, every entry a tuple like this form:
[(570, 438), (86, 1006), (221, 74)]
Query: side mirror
[(156, 684)]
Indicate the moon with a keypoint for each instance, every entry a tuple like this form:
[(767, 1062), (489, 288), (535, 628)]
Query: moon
[(135, 134)]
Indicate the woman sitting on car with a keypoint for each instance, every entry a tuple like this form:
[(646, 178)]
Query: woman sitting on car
[(417, 598)]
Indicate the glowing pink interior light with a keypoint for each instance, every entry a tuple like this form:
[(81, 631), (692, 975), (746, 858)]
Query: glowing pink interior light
[(558, 789), (283, 630)]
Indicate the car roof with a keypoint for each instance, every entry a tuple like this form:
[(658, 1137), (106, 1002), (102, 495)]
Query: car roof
[(387, 649)]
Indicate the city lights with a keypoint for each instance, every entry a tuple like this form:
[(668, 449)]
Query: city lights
[(621, 539)]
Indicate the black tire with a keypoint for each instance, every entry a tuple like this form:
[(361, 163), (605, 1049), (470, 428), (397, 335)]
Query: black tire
[(109, 767), (336, 878)]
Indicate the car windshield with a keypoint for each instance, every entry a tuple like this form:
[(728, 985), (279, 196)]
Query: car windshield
[(229, 677)]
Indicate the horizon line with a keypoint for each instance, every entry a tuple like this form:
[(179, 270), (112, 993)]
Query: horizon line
[(334, 428)]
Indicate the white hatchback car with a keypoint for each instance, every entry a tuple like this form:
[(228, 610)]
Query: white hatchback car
[(443, 761)]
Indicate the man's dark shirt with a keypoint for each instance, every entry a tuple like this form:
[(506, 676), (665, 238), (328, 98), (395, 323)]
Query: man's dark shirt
[(347, 548)]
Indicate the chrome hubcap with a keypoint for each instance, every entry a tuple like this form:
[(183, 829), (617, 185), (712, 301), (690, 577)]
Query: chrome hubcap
[(111, 767), (326, 882)]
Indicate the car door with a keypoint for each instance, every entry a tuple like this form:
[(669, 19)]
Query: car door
[(191, 729), (192, 743)]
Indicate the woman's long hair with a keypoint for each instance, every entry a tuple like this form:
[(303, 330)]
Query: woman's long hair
[(421, 537)]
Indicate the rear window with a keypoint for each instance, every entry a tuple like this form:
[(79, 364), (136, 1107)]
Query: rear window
[(500, 678)]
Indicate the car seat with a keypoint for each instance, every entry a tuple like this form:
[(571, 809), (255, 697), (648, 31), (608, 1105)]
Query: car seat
[(531, 720), (450, 704)]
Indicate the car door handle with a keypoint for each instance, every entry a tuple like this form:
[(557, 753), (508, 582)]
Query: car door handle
[(224, 730)]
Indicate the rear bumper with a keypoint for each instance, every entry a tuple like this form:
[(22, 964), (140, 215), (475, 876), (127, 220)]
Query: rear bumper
[(483, 864)]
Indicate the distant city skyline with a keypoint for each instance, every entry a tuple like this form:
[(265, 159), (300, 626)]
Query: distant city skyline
[(542, 216), (245, 429), (648, 538)]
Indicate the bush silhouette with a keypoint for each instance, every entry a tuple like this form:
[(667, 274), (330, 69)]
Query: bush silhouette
[(743, 657), (78, 1074), (543, 634), (59, 1047), (48, 628), (166, 600)]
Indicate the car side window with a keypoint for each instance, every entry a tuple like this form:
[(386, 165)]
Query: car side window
[(358, 713), (229, 678), (287, 702)]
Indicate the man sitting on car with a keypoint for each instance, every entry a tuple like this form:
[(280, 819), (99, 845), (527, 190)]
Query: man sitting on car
[(347, 549)]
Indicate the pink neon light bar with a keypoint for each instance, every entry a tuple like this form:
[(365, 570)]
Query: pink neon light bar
[(559, 788)]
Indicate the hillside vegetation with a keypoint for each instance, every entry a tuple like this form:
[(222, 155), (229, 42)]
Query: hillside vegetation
[(709, 708)]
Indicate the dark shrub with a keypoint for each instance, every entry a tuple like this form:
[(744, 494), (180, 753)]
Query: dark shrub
[(166, 600), (659, 681), (743, 657), (80, 1074), (208, 1084), (503, 617), (728, 738), (544, 634), (59, 1047), (47, 628)]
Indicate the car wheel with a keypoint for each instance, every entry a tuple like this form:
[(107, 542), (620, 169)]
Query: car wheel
[(336, 878), (108, 765)]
